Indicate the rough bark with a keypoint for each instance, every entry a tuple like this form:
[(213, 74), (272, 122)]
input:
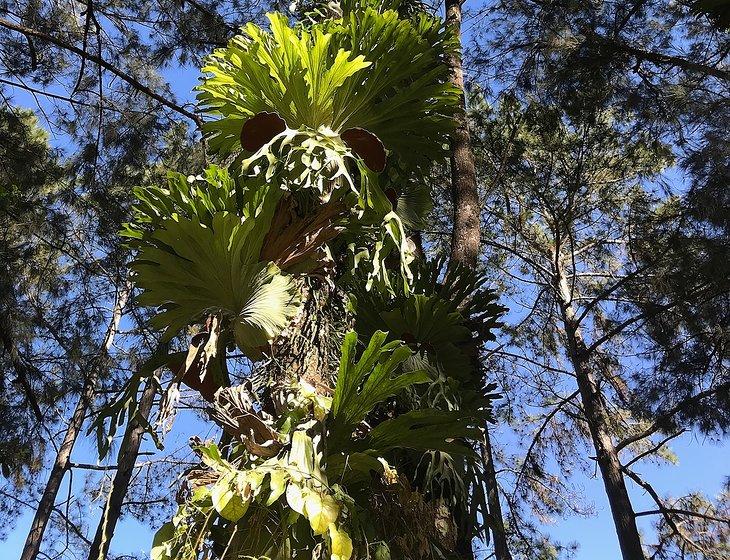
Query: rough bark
[(63, 458), (464, 193), (309, 349), (597, 418), (126, 459), (465, 237)]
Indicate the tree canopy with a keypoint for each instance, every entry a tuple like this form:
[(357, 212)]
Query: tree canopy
[(407, 298)]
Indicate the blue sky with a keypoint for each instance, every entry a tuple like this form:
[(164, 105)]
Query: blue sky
[(702, 466), (703, 463)]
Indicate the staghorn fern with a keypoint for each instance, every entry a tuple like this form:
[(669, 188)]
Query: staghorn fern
[(369, 70), (189, 270)]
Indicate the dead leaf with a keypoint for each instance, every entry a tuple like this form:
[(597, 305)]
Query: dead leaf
[(260, 129)]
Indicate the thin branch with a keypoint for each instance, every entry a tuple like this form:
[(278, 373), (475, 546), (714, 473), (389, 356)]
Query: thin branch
[(618, 329), (686, 512), (608, 291), (531, 361), (655, 448), (664, 511), (662, 418), (104, 64), (663, 59), (538, 434)]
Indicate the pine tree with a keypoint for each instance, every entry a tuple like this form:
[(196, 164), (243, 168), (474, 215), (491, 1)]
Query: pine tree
[(574, 211), (47, 310)]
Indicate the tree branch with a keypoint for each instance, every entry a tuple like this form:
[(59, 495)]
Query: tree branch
[(686, 512), (539, 432), (661, 58), (664, 511), (657, 425), (104, 64), (654, 448)]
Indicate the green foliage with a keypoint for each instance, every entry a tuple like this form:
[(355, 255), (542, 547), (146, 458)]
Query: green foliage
[(367, 70), (309, 160), (304, 184), (32, 225), (296, 73), (189, 197), (443, 317), (441, 311), (190, 270), (425, 430), (370, 70), (369, 381), (413, 204), (320, 447)]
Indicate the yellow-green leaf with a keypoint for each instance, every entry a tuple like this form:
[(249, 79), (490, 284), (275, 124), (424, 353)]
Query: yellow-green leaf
[(277, 483), (228, 501), (321, 510), (340, 543), (295, 497)]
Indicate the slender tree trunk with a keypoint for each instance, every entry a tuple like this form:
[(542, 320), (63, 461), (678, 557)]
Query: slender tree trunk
[(126, 459), (464, 193), (62, 461), (465, 237), (501, 549), (597, 418)]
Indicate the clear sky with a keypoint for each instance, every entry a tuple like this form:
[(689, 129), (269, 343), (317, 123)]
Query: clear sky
[(703, 464)]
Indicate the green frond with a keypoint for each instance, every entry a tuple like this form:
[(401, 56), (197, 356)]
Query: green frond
[(413, 204), (194, 196), (424, 430), (372, 250), (189, 270), (442, 312), (362, 384), (406, 98), (369, 70), (307, 159)]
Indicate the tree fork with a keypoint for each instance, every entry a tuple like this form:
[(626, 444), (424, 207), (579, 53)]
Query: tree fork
[(62, 463)]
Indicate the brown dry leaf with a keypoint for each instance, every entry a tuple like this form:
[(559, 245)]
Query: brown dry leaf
[(234, 411), (294, 239), (260, 129), (366, 145)]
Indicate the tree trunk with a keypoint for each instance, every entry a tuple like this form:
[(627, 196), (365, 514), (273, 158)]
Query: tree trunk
[(465, 237), (61, 464), (464, 193), (309, 349), (501, 549), (126, 459), (597, 419)]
